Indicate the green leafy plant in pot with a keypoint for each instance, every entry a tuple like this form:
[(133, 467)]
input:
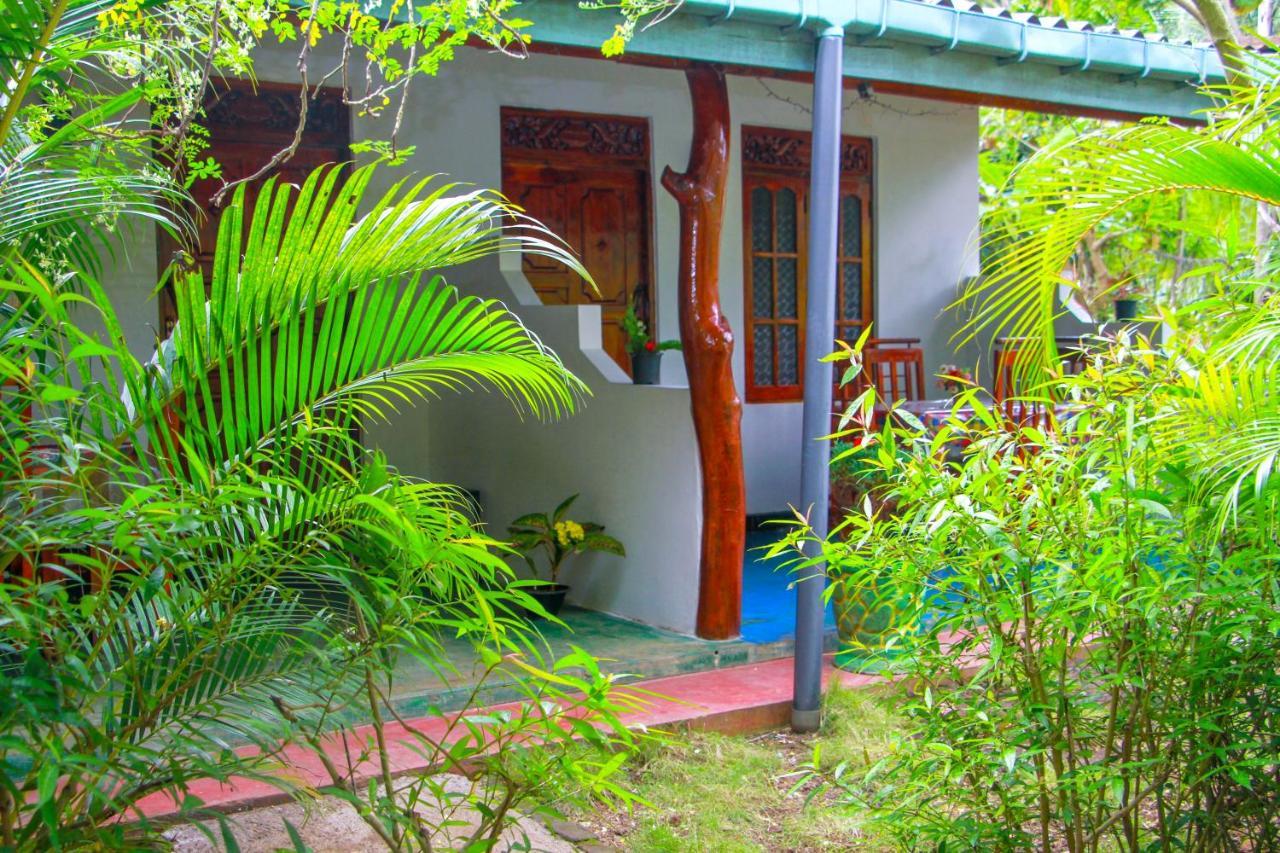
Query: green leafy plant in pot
[(1126, 300), (646, 353), (557, 537)]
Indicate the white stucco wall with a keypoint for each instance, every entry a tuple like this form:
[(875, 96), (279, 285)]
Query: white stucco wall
[(630, 451)]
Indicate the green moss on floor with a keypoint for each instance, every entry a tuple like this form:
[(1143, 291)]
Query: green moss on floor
[(711, 792)]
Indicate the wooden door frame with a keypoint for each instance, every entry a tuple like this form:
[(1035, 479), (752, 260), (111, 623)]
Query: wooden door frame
[(773, 182), (276, 123), (568, 139)]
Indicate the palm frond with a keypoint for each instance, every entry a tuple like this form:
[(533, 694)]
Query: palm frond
[(315, 314), (1067, 191)]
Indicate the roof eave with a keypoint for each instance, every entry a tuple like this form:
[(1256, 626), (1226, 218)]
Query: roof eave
[(921, 45)]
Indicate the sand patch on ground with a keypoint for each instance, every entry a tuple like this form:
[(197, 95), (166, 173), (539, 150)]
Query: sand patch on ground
[(330, 825)]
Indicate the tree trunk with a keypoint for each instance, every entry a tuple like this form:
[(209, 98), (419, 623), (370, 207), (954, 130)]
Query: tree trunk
[(1219, 18), (707, 341)]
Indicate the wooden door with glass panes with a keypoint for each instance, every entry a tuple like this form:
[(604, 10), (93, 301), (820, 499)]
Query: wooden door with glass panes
[(775, 230), (586, 178)]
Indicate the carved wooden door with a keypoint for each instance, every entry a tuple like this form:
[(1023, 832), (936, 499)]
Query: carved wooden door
[(587, 179), (247, 127)]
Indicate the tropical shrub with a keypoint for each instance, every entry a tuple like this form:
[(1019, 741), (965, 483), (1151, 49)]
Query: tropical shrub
[(214, 559), (1093, 662), (200, 564), (1086, 610)]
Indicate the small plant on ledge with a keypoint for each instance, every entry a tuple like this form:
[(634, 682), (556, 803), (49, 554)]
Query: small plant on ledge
[(558, 537), (646, 353), (1126, 299)]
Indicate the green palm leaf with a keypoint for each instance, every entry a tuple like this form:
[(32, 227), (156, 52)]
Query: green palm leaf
[(1069, 190), (1221, 414), (315, 313)]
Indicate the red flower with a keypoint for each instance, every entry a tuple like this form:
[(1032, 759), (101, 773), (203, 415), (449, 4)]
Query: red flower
[(650, 346)]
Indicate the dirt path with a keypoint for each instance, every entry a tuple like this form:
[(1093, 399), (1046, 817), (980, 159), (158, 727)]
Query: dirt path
[(330, 825)]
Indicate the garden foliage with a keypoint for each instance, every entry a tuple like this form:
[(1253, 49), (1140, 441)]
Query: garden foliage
[(1085, 606), (202, 564)]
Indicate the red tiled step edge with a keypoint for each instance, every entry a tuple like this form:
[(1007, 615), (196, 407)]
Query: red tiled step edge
[(734, 699)]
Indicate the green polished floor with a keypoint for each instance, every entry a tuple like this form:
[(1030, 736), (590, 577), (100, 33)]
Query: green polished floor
[(623, 647)]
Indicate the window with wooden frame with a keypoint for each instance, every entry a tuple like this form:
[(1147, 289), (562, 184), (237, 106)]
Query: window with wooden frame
[(775, 177)]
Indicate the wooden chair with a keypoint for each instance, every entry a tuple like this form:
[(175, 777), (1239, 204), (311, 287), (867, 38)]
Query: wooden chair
[(1073, 356), (895, 371), (888, 343)]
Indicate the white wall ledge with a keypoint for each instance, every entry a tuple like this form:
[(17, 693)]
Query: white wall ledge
[(590, 334)]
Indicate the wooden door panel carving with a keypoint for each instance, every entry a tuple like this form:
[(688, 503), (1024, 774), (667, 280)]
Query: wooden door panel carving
[(586, 178)]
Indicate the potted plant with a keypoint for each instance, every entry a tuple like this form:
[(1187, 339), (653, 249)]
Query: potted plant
[(1125, 301), (646, 353), (557, 537)]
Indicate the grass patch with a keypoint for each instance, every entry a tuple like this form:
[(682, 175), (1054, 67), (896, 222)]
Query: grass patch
[(733, 793)]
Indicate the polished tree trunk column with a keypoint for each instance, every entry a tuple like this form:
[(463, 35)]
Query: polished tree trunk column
[(707, 342)]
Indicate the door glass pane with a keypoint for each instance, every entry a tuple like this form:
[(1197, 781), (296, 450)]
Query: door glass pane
[(851, 301), (788, 287), (851, 226), (788, 356), (761, 287), (786, 220), (762, 355), (761, 220)]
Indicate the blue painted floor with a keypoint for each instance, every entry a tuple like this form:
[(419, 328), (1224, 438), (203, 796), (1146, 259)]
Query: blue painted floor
[(768, 599)]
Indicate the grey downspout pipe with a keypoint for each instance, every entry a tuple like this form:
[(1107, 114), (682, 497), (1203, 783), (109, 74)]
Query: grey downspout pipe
[(820, 321)]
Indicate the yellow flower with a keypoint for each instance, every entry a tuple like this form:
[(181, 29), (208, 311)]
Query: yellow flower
[(568, 533)]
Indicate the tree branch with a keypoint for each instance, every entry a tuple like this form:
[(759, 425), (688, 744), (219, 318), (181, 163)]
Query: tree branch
[(1190, 8), (304, 100)]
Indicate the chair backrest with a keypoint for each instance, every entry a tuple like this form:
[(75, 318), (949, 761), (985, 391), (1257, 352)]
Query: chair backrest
[(1072, 356), (895, 371), (893, 366), (884, 343)]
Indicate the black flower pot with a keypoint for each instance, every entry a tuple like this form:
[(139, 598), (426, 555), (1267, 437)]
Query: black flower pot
[(551, 597), (646, 367), (1126, 309)]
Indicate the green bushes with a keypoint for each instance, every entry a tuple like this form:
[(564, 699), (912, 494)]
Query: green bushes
[(217, 562), (1094, 664), (196, 552), (1088, 615)]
